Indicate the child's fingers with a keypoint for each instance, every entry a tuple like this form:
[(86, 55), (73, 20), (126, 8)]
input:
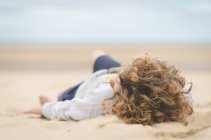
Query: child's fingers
[(33, 111)]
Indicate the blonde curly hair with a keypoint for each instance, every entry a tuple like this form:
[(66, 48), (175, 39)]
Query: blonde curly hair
[(151, 92)]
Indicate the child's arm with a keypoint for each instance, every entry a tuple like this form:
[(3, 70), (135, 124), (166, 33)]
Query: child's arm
[(76, 109), (79, 108), (86, 104)]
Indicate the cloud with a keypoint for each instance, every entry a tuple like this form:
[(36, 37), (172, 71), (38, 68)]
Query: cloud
[(201, 7), (105, 21)]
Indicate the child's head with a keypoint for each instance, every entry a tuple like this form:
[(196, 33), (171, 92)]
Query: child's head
[(151, 92)]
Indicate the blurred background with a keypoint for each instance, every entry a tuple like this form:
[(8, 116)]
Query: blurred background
[(66, 30), (113, 21)]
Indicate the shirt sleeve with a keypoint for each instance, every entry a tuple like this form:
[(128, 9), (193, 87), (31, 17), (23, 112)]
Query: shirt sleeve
[(79, 108), (76, 109)]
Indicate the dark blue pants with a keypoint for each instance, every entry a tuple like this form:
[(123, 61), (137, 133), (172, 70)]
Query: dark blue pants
[(102, 62)]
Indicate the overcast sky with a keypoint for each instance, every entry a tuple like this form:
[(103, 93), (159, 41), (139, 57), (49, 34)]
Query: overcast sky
[(105, 20)]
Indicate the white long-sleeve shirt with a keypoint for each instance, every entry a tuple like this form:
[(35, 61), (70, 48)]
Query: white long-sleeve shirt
[(87, 101)]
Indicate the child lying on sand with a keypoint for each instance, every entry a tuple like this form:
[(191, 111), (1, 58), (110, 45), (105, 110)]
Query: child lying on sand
[(147, 91)]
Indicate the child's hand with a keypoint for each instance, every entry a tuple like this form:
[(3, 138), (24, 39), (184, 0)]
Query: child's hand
[(36, 111)]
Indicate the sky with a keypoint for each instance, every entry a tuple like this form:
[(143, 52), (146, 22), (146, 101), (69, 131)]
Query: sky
[(105, 21)]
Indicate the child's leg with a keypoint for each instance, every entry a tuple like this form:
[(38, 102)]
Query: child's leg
[(103, 61), (70, 92)]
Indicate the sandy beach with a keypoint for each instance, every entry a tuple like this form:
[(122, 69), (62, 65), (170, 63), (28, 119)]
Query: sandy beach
[(27, 72)]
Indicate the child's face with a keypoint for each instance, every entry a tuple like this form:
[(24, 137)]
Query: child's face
[(115, 84)]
